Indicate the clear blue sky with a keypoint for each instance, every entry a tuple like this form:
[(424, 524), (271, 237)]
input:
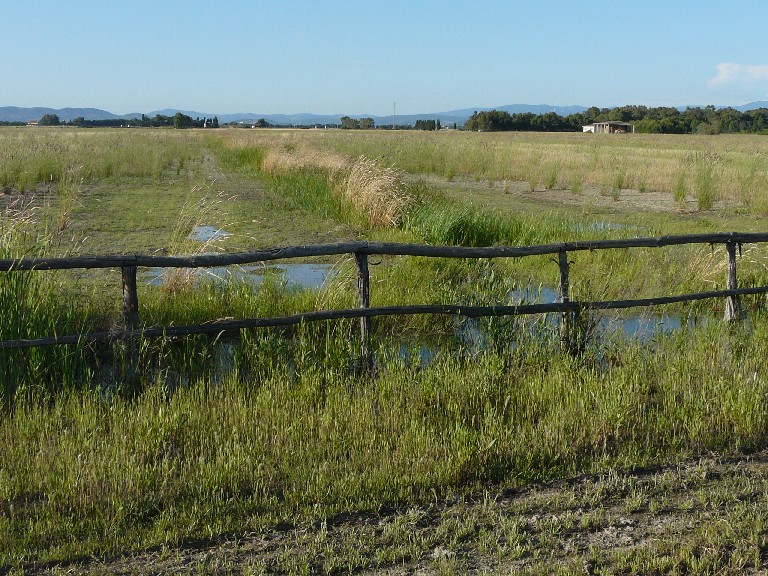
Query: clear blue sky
[(358, 57)]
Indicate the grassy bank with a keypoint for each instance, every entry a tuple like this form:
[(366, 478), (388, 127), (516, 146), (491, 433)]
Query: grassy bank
[(298, 442)]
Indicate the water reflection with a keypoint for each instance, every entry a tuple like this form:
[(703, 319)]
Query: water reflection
[(298, 275), (207, 234), (642, 325)]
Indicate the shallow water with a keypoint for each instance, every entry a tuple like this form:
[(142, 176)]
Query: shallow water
[(298, 275), (640, 323), (207, 234)]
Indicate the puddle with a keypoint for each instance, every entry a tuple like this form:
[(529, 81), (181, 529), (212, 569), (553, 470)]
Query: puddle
[(207, 234), (602, 226), (532, 295), (300, 275), (645, 327), (640, 325), (310, 276), (424, 353)]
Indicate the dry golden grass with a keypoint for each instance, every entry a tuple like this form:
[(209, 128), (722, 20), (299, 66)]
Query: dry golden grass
[(377, 193), (303, 157), (286, 151)]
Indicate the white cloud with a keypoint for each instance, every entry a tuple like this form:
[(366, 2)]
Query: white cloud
[(727, 72)]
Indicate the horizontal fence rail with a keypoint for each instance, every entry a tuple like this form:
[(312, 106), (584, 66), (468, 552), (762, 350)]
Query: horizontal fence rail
[(371, 249), (129, 264)]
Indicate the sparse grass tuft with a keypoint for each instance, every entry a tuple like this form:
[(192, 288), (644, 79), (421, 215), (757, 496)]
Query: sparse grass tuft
[(705, 186), (679, 193)]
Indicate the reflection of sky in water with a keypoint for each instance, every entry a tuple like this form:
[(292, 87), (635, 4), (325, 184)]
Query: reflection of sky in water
[(207, 234), (532, 295), (642, 325), (301, 275), (646, 326)]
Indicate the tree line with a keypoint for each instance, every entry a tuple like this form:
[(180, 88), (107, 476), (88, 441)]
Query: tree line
[(178, 120), (428, 124), (348, 123), (660, 120)]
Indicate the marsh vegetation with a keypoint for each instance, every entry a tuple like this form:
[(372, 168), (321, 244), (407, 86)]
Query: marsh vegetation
[(213, 439)]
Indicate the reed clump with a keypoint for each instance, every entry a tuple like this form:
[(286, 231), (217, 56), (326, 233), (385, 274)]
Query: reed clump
[(379, 194), (288, 158)]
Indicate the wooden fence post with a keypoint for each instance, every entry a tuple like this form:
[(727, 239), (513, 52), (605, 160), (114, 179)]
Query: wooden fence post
[(732, 303), (568, 317), (130, 317), (364, 296)]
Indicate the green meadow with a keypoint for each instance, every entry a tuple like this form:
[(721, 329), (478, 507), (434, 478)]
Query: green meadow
[(279, 432)]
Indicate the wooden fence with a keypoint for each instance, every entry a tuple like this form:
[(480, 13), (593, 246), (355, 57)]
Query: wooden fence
[(362, 250)]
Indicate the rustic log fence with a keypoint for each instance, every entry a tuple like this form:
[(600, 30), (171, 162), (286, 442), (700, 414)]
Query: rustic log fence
[(129, 264)]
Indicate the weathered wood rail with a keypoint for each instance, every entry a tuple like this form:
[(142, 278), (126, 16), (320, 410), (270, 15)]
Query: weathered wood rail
[(129, 264)]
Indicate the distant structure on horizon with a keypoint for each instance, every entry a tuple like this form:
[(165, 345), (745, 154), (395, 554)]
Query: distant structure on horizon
[(609, 128)]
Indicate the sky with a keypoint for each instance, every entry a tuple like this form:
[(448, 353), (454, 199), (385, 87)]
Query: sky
[(375, 57)]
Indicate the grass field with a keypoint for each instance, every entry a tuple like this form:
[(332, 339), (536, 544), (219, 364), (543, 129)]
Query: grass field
[(277, 455)]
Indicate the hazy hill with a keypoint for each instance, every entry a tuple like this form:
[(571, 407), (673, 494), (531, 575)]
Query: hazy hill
[(752, 106), (16, 114)]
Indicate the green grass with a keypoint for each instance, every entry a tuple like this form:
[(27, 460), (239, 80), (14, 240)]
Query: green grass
[(209, 439), (304, 441), (553, 159)]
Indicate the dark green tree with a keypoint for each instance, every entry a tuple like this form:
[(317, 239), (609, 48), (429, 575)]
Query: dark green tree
[(348, 123), (182, 120), (49, 120), (425, 125)]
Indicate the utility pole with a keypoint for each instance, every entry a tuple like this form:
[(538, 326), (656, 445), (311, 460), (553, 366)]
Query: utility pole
[(394, 114)]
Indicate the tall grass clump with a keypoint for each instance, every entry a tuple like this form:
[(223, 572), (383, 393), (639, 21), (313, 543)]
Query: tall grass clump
[(577, 183), (379, 194), (550, 176), (238, 158), (705, 186), (439, 222), (32, 309), (706, 163), (198, 208), (679, 192)]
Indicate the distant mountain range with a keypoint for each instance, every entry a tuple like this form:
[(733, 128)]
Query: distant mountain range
[(15, 114)]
